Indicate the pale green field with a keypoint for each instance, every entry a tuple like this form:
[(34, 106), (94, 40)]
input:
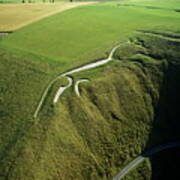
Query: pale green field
[(84, 34)]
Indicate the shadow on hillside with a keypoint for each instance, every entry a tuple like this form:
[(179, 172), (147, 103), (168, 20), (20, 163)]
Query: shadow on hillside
[(166, 127)]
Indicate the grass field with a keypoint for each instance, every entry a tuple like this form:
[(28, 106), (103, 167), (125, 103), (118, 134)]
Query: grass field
[(127, 106), (16, 15), (73, 39), (171, 4)]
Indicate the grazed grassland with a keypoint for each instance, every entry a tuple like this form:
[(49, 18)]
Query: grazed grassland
[(84, 34)]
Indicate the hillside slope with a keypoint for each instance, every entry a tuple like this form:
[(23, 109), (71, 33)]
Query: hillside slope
[(127, 106), (91, 137), (21, 84)]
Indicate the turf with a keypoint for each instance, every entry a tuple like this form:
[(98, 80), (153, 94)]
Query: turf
[(73, 39), (121, 96), (108, 126), (162, 4), (68, 135), (128, 105)]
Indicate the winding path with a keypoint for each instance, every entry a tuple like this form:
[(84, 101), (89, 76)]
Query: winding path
[(145, 155), (82, 68)]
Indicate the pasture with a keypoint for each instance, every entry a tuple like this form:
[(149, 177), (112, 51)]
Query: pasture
[(85, 34)]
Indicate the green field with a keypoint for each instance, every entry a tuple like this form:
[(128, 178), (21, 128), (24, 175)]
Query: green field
[(73, 39), (166, 5), (128, 105)]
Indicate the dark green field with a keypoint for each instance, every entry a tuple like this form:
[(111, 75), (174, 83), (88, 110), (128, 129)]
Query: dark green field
[(128, 106)]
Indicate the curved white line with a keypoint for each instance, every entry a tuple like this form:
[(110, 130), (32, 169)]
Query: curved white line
[(44, 96), (61, 90), (76, 87), (95, 64), (82, 68)]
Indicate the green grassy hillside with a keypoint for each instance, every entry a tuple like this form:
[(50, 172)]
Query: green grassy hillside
[(94, 136), (77, 141), (129, 104), (21, 84)]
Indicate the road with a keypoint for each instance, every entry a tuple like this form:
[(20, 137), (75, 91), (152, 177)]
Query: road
[(142, 157), (82, 68)]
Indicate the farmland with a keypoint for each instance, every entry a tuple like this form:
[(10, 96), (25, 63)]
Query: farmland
[(83, 38), (128, 105), (14, 16)]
